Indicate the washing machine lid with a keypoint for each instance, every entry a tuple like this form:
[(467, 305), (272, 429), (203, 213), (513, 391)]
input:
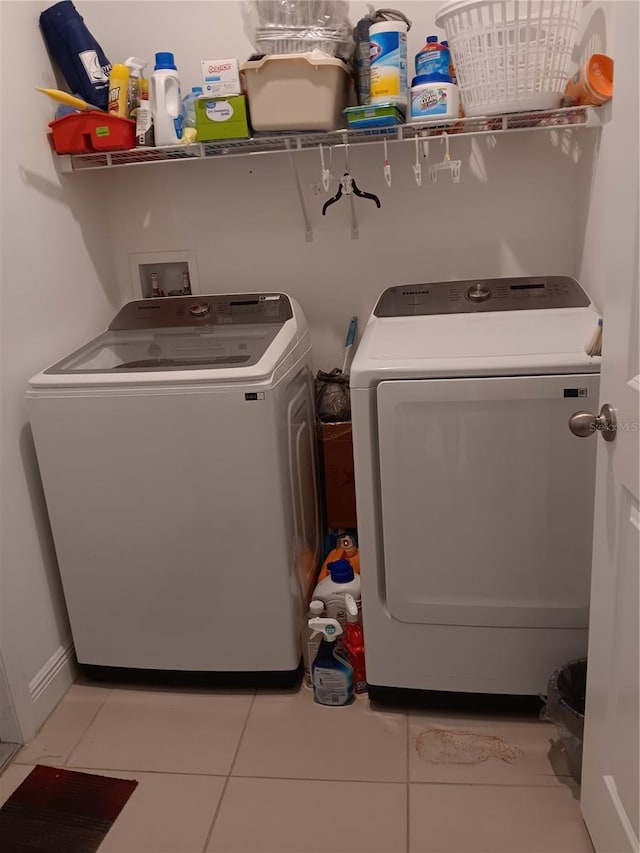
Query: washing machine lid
[(238, 337), (491, 327)]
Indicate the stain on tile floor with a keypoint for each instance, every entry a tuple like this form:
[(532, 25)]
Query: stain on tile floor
[(442, 746)]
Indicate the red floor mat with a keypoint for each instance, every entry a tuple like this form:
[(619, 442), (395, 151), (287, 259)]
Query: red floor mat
[(61, 811)]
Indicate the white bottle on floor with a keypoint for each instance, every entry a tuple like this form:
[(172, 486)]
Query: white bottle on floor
[(311, 640), (331, 591)]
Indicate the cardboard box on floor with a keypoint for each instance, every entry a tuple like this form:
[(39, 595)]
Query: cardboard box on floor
[(336, 456)]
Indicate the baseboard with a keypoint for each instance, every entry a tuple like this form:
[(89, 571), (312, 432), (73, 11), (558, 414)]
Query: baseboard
[(50, 684), (63, 658)]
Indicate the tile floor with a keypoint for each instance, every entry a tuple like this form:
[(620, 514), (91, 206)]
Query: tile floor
[(266, 772)]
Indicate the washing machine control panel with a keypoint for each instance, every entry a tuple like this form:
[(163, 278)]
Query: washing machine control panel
[(481, 295), (239, 309)]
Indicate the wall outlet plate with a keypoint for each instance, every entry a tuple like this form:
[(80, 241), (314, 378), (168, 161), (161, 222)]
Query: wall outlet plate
[(168, 265)]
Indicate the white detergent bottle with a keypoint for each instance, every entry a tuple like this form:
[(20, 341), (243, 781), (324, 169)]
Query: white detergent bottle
[(164, 89), (331, 675), (342, 579)]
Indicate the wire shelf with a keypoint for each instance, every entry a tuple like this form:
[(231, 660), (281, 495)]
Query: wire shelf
[(566, 118)]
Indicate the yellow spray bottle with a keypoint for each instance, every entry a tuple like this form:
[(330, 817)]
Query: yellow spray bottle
[(119, 91)]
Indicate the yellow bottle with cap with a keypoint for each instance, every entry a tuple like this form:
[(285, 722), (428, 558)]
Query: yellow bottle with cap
[(119, 91)]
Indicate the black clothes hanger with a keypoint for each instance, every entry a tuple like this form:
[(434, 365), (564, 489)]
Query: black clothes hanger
[(347, 186)]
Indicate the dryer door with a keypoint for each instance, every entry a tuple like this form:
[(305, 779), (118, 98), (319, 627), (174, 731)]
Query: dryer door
[(487, 500)]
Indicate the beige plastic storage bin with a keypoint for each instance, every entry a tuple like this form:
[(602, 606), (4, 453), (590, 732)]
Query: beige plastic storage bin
[(297, 91)]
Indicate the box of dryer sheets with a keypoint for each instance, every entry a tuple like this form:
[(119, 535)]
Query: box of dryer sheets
[(221, 77), (336, 451), (222, 118)]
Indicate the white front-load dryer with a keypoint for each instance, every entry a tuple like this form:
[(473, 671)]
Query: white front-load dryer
[(177, 456), (474, 498)]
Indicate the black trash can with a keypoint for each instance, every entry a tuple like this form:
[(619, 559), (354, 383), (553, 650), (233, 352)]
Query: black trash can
[(565, 707)]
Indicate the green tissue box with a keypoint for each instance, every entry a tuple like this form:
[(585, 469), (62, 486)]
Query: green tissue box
[(222, 118)]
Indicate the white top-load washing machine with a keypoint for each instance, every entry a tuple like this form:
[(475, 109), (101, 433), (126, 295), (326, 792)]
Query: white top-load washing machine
[(474, 499), (177, 456)]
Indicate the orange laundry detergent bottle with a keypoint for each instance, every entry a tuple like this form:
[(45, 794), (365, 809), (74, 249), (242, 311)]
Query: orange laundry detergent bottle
[(345, 550)]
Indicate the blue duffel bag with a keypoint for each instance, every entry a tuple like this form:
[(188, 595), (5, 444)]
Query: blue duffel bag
[(79, 56)]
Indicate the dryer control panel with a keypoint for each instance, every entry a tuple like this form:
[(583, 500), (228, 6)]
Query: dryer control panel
[(239, 309), (481, 295)]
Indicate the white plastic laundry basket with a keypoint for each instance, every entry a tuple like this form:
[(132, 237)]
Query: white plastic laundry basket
[(510, 55)]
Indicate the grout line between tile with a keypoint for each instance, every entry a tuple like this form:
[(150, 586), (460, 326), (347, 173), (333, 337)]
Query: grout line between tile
[(408, 786), (226, 781), (90, 723), (502, 785), (82, 768), (199, 773), (329, 781)]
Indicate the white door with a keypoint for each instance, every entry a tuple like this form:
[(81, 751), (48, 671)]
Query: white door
[(487, 501), (610, 791)]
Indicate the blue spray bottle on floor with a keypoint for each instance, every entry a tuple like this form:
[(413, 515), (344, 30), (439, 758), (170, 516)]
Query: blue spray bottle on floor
[(332, 676)]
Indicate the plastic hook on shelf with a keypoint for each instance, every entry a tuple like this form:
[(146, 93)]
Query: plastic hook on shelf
[(308, 232), (326, 172), (417, 168), (355, 232), (448, 165), (387, 164)]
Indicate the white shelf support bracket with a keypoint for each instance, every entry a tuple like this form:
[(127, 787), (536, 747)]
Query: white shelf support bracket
[(308, 231), (593, 116), (65, 162)]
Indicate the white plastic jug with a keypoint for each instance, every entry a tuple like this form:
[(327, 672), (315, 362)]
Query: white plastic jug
[(332, 590), (164, 89)]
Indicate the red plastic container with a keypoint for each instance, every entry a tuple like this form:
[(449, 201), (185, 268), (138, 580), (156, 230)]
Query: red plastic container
[(84, 133)]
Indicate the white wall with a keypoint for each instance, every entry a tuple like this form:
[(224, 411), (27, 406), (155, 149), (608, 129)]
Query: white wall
[(57, 289), (514, 211)]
